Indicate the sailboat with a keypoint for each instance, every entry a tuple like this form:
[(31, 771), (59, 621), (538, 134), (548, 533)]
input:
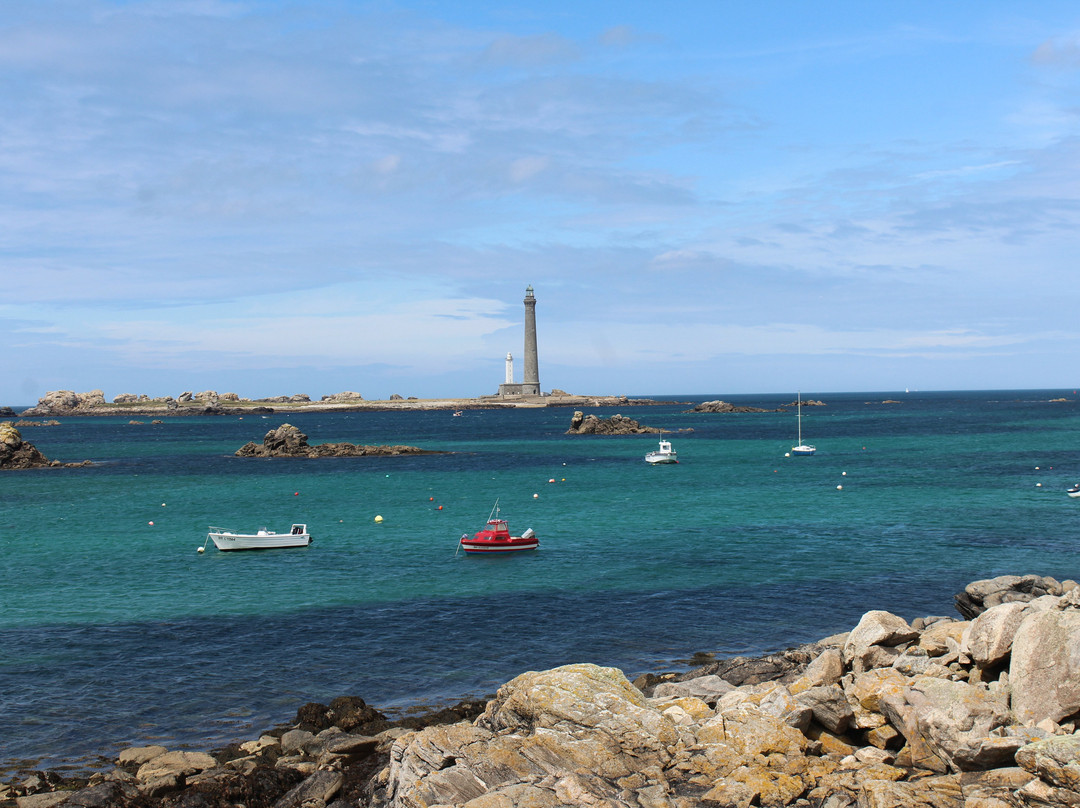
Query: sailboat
[(802, 448)]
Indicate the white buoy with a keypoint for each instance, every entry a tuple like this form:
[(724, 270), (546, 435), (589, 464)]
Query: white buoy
[(536, 496), (839, 488), (787, 454), (1038, 485), (843, 474), (201, 549)]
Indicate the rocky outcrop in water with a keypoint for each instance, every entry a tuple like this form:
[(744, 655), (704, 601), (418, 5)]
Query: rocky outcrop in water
[(937, 713), (66, 402), (16, 453), (289, 441), (724, 406), (582, 424)]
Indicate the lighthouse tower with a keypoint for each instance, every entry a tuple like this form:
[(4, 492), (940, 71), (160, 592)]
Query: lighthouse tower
[(530, 385)]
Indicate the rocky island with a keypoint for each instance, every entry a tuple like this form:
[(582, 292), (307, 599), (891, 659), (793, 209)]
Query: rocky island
[(288, 441), (209, 402), (581, 424), (16, 453), (980, 712)]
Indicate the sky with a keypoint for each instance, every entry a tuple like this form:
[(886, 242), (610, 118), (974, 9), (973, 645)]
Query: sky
[(708, 197)]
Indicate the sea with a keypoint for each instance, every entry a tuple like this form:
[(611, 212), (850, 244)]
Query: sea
[(115, 631)]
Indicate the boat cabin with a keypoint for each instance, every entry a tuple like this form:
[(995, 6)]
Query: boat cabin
[(495, 529)]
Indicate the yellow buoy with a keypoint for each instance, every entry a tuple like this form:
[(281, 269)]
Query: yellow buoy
[(378, 518)]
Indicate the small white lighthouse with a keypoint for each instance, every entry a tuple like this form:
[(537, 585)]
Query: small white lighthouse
[(509, 369)]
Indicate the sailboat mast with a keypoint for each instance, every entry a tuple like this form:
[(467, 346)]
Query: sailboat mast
[(800, 418)]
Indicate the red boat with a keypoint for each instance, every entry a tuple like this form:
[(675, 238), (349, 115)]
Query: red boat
[(495, 537)]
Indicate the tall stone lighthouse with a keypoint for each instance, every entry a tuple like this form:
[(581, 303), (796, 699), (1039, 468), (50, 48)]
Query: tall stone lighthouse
[(530, 385)]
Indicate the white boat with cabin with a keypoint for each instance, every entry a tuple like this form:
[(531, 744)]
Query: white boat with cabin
[(262, 539), (802, 448), (665, 454)]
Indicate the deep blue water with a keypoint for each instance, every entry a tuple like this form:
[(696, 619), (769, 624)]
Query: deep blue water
[(114, 631)]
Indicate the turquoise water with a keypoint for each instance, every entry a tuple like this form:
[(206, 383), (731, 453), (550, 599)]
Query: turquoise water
[(114, 630)]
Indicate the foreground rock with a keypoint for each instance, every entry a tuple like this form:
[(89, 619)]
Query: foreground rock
[(16, 453), (288, 441), (326, 756), (582, 424), (979, 596), (889, 714), (938, 713)]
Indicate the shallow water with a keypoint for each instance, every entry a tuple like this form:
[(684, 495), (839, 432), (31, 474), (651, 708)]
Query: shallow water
[(115, 631)]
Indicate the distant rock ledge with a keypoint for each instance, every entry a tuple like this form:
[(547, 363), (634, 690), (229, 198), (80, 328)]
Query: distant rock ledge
[(724, 406), (288, 441), (16, 453)]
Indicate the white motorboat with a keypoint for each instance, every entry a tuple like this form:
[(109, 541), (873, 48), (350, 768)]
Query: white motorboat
[(665, 454), (1074, 491), (802, 448), (263, 539)]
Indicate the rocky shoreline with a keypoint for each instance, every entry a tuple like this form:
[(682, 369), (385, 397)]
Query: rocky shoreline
[(978, 712), (69, 403)]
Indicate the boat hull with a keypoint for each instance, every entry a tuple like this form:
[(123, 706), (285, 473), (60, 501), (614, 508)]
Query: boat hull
[(803, 450), (514, 544), (1073, 494), (656, 458), (271, 541)]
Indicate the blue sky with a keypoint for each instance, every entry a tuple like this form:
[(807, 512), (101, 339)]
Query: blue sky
[(708, 197)]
